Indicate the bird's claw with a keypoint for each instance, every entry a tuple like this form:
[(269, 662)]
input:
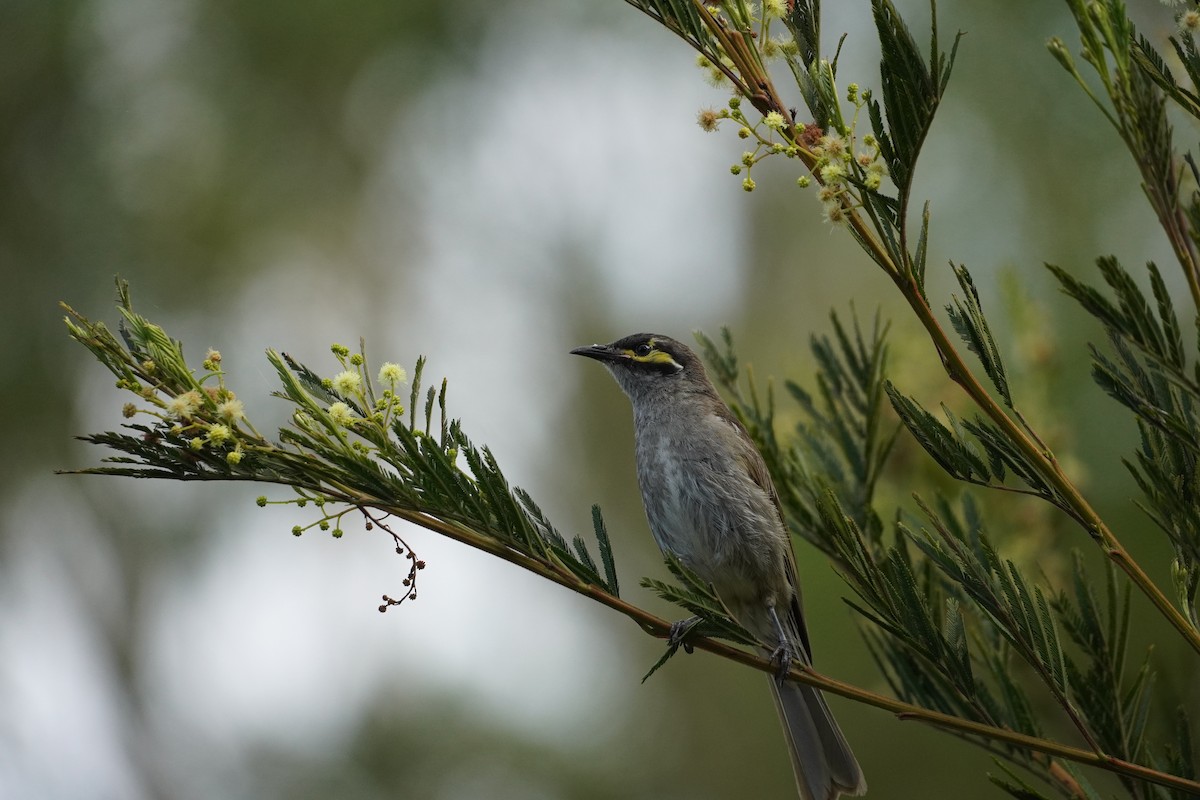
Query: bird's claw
[(680, 630), (782, 659)]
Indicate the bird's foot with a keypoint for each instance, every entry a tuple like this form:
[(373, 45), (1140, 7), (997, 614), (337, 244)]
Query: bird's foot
[(782, 658), (680, 630)]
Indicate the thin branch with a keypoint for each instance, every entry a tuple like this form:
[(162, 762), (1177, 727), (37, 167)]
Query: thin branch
[(660, 628)]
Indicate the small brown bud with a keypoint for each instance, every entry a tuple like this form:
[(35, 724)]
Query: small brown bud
[(811, 134)]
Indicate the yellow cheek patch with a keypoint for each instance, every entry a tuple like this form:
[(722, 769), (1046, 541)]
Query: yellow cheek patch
[(655, 357)]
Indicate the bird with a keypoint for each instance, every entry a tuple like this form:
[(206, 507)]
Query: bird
[(710, 502)]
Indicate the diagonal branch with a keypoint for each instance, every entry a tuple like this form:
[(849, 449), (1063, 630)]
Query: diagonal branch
[(1073, 501), (660, 628)]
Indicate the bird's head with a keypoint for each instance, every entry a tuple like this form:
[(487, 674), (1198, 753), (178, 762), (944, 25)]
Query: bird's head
[(650, 365)]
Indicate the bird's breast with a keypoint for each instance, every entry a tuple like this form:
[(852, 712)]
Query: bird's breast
[(703, 507)]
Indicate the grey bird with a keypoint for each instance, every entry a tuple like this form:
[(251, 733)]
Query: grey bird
[(710, 501)]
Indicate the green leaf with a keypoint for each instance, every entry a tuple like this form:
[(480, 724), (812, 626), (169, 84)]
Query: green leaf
[(681, 18), (1014, 786), (966, 314), (911, 91), (1115, 704), (1151, 63), (666, 656), (1004, 455), (804, 21), (1149, 375), (415, 391), (606, 552), (959, 459), (1180, 752), (812, 76), (699, 599), (922, 253)]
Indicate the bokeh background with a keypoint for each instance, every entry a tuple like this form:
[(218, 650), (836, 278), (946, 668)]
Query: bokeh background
[(489, 184)]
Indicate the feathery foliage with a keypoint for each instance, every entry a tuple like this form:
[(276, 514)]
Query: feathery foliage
[(348, 448), (912, 90), (1149, 375)]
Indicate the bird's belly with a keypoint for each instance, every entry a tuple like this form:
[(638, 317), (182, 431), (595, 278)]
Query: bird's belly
[(704, 529)]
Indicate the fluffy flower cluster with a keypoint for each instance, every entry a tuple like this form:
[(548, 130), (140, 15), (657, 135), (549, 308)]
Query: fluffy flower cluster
[(231, 410), (341, 414), (392, 373), (716, 75), (833, 157), (837, 165), (347, 382), (183, 406)]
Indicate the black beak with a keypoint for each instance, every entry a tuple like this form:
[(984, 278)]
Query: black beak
[(600, 352)]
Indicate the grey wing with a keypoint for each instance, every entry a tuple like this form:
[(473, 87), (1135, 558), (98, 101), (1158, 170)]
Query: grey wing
[(756, 468)]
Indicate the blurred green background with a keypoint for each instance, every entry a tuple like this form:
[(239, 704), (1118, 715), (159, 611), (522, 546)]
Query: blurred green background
[(489, 184)]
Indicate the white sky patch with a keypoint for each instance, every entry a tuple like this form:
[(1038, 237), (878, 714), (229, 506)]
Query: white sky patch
[(574, 154), (60, 733), (269, 637)]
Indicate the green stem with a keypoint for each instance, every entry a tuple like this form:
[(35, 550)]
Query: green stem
[(1046, 465), (1176, 226), (1042, 458)]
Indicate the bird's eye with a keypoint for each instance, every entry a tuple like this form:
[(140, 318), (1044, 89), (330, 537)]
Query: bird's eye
[(642, 350)]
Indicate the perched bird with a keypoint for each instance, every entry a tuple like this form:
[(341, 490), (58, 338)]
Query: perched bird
[(710, 501)]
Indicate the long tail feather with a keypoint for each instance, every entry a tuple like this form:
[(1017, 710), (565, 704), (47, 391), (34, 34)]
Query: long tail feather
[(824, 766)]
